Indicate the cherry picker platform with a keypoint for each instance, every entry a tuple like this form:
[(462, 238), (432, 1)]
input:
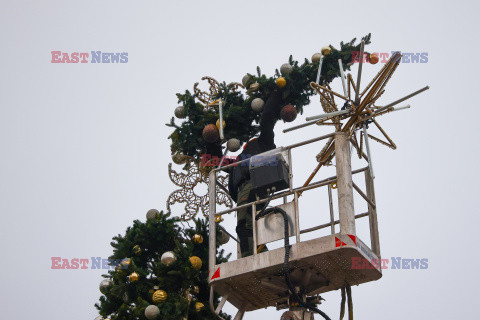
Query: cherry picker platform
[(314, 266)]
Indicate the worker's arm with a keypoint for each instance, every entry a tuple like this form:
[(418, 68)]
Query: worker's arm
[(270, 114)]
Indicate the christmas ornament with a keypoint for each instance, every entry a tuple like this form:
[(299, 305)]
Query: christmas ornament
[(210, 133), (281, 82), (125, 297), (152, 312), (99, 318), (179, 158), (316, 57), (152, 213), (288, 113), (188, 182), (285, 69), (217, 124), (125, 263), (180, 112), (133, 277), (233, 144), (254, 87), (197, 238), (196, 289), (326, 50), (198, 306), (257, 104), (373, 58), (246, 80), (222, 237), (136, 249), (168, 258), (216, 103), (105, 284), (159, 296), (196, 262)]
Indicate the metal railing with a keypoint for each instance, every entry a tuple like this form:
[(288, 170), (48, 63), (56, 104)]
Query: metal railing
[(369, 197)]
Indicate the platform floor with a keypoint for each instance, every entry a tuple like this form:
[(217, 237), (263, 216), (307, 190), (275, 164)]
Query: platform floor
[(319, 265)]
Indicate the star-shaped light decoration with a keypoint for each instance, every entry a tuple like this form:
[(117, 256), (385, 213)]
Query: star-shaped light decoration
[(188, 181), (358, 111)]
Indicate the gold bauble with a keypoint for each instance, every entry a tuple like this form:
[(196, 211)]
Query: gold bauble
[(197, 238), (159, 296), (196, 289), (326, 50), (199, 306), (196, 262), (254, 86), (133, 277), (137, 249), (124, 264), (281, 82), (218, 124)]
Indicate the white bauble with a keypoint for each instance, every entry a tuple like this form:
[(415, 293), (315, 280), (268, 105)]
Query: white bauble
[(285, 69), (233, 144), (105, 284), (316, 57), (180, 112), (152, 213), (257, 104), (152, 312), (168, 258), (222, 237), (246, 79)]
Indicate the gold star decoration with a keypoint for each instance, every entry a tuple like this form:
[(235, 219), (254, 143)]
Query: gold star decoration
[(358, 111)]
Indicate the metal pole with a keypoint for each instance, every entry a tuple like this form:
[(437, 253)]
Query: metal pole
[(330, 203), (367, 146), (346, 210), (359, 76), (211, 220), (254, 226), (372, 215), (297, 218)]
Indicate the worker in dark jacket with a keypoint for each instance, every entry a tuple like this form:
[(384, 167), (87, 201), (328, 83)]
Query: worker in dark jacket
[(239, 184)]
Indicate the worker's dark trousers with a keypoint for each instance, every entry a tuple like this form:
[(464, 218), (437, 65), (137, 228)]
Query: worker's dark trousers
[(244, 220)]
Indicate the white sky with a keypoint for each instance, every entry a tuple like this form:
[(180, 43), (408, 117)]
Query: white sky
[(84, 148)]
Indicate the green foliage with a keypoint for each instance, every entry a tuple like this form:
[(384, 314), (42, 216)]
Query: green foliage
[(242, 121), (155, 237)]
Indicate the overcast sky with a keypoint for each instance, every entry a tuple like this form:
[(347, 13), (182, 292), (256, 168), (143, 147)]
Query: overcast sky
[(84, 148)]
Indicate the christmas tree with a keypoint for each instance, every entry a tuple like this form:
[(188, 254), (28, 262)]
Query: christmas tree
[(161, 272)]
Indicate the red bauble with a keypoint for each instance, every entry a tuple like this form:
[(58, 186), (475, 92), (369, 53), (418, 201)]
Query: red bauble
[(288, 113), (210, 133), (374, 58)]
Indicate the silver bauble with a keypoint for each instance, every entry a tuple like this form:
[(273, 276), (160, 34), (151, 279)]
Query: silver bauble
[(152, 312), (168, 258), (316, 57), (179, 158), (246, 79), (152, 213), (233, 144), (285, 69), (257, 104), (180, 112), (105, 284), (222, 237)]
